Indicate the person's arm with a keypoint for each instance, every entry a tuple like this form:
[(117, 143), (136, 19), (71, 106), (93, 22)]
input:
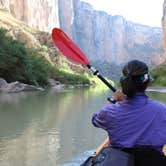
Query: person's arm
[(102, 117), (164, 150), (118, 96), (104, 144)]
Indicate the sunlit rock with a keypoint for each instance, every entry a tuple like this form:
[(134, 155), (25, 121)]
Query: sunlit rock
[(16, 86)]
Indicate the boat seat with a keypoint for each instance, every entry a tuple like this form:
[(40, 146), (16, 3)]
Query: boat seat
[(146, 156)]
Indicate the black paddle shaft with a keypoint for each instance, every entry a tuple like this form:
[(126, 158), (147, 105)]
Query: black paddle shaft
[(96, 72)]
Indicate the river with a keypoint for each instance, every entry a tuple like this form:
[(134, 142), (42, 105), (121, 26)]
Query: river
[(51, 128)]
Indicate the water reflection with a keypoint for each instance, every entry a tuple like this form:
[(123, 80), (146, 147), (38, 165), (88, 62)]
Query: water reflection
[(44, 128), (50, 128)]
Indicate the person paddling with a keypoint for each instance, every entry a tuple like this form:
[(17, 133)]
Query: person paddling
[(133, 85), (135, 120)]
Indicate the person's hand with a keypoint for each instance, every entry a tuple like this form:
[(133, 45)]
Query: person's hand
[(119, 96), (104, 144), (164, 150)]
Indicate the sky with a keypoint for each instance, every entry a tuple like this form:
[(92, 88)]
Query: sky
[(147, 12)]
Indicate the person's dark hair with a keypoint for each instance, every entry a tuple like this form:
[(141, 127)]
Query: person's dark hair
[(135, 78)]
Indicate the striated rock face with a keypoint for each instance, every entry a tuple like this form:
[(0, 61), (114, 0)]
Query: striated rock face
[(4, 4), (66, 15), (105, 39), (41, 14), (114, 40)]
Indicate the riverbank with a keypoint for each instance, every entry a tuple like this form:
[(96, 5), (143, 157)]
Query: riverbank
[(159, 75), (161, 89), (16, 86)]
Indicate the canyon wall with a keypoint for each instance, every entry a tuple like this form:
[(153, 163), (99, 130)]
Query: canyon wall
[(40, 14), (105, 39), (113, 39)]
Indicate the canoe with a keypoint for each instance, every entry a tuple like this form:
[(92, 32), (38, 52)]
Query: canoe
[(140, 156), (110, 157)]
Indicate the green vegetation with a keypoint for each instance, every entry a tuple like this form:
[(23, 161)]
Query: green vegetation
[(18, 63), (69, 77), (100, 85), (159, 75)]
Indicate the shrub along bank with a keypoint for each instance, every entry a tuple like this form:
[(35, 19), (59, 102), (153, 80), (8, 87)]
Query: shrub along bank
[(159, 75)]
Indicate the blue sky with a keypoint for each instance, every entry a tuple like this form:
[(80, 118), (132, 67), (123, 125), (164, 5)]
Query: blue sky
[(148, 12)]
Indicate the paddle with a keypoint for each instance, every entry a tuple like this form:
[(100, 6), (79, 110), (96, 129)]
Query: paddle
[(74, 53)]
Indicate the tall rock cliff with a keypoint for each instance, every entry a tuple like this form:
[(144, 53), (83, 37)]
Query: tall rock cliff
[(105, 39), (41, 14), (113, 39), (66, 15)]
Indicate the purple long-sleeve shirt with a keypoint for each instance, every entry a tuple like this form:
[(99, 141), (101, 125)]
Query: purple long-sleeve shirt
[(140, 121)]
